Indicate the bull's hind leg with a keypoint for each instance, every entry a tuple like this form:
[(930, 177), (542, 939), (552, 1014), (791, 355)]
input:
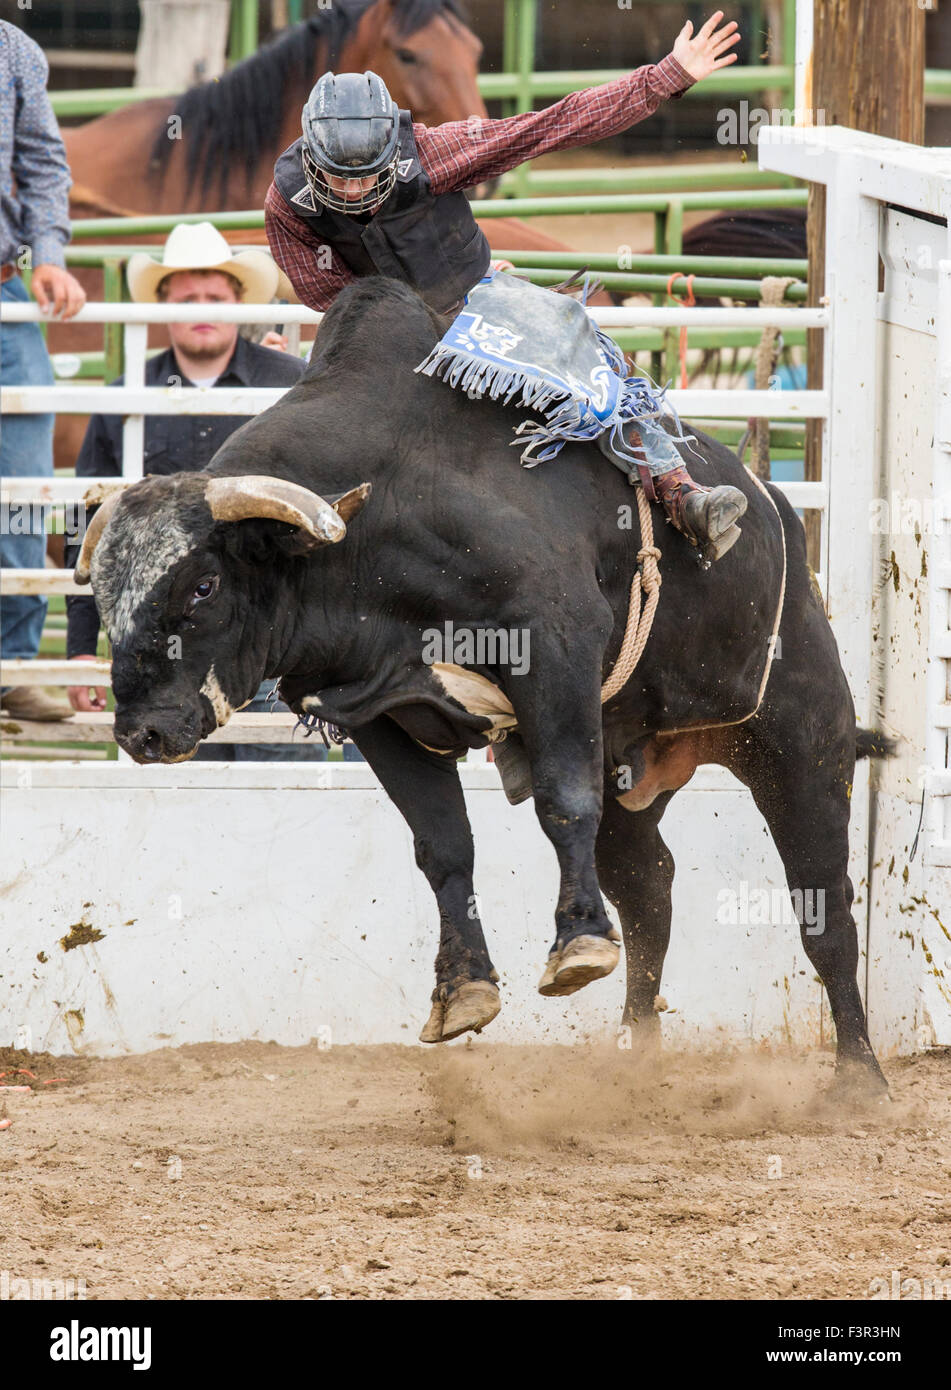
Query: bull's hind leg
[(801, 779), (428, 793), (636, 871)]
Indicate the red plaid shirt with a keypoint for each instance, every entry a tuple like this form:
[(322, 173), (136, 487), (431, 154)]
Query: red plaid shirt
[(460, 154)]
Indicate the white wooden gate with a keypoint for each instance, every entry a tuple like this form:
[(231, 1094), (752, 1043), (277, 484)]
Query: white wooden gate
[(887, 448)]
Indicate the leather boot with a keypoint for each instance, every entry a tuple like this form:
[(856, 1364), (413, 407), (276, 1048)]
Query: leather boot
[(31, 702), (706, 516)]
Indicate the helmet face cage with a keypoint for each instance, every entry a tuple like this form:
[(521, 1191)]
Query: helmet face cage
[(351, 132), (369, 199)]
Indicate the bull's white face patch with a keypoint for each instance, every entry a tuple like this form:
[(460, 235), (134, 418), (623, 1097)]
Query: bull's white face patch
[(219, 701), (127, 565)]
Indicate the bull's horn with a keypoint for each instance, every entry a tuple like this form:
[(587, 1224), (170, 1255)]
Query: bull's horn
[(238, 499), (93, 534)]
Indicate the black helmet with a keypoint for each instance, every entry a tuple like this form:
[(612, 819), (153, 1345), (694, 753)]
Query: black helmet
[(351, 131)]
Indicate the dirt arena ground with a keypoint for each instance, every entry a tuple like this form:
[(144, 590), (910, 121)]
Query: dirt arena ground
[(257, 1171)]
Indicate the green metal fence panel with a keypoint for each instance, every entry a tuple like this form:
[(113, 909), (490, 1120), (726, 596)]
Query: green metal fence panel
[(657, 179), (113, 338), (526, 29), (703, 285), (757, 35), (652, 339), (732, 81), (89, 228), (243, 39), (735, 267), (673, 246), (95, 101), (641, 202), (789, 39), (650, 275), (509, 51)]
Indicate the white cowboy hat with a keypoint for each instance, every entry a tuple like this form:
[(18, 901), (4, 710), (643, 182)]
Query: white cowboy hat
[(200, 246)]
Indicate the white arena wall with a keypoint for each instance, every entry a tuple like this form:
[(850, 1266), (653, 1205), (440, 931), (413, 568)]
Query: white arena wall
[(250, 905)]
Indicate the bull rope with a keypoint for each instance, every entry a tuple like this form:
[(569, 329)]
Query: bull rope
[(647, 579), (637, 631), (774, 635), (773, 638)]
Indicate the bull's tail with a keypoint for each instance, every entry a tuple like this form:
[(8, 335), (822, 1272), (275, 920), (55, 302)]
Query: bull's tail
[(869, 743)]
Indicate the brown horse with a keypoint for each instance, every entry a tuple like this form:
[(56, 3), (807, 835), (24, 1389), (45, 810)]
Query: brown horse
[(213, 148)]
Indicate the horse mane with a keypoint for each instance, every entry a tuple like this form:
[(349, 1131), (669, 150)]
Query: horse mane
[(411, 15), (235, 120)]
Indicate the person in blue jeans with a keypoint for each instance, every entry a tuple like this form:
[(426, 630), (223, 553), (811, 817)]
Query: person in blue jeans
[(34, 231)]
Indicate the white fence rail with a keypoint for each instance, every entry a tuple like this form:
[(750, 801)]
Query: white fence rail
[(249, 400)]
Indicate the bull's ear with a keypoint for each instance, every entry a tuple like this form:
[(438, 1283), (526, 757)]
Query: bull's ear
[(257, 495), (352, 502)]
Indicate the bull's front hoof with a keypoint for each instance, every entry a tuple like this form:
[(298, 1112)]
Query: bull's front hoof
[(470, 1008), (584, 959), (432, 1028), (467, 1009)]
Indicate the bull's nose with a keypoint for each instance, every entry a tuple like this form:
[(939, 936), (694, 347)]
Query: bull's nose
[(145, 744), (167, 734), (150, 747)]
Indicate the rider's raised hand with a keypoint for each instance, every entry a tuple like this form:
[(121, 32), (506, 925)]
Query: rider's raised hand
[(707, 51)]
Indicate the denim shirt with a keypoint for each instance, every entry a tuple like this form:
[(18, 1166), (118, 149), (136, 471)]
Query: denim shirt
[(34, 174)]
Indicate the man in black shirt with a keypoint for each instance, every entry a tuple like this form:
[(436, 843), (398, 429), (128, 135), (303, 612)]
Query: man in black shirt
[(196, 268)]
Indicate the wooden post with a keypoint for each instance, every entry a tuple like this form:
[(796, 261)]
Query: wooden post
[(868, 73), (181, 42)]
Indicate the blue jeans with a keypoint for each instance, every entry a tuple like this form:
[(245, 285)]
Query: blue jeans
[(310, 750), (659, 448), (26, 448)]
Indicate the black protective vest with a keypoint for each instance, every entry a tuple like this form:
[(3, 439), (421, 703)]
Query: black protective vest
[(431, 243)]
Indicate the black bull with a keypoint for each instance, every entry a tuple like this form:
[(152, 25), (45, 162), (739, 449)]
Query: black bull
[(204, 595)]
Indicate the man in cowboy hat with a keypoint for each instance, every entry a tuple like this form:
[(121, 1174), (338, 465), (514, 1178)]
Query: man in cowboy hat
[(197, 267)]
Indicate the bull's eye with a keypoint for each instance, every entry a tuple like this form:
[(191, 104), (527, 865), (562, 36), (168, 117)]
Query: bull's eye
[(204, 590)]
